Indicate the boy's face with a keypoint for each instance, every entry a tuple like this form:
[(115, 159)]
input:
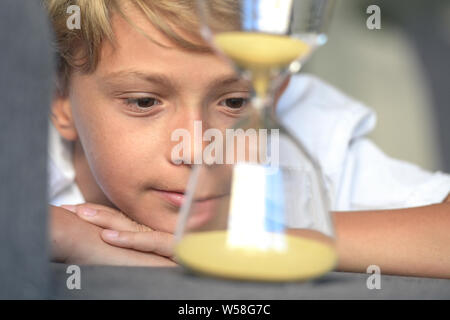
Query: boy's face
[(124, 113)]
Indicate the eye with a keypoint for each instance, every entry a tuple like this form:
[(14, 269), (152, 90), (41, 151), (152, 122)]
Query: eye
[(234, 103), (142, 103)]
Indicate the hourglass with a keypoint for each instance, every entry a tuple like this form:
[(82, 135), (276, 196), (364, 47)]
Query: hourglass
[(257, 208)]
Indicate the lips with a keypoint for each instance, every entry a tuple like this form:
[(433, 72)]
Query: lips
[(203, 210), (177, 198), (174, 198)]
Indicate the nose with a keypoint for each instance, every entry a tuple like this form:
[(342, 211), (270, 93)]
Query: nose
[(186, 139)]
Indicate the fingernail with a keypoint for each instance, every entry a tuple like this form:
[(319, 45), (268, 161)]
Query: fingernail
[(112, 234), (88, 212), (70, 207)]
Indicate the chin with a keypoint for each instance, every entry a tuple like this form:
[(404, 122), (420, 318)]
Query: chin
[(159, 217)]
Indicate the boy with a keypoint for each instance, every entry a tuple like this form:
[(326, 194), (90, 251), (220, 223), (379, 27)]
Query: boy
[(136, 71)]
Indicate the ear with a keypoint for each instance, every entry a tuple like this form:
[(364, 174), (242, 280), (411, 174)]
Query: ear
[(62, 119)]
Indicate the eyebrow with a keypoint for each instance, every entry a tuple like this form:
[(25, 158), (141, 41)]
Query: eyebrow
[(161, 79), (118, 76)]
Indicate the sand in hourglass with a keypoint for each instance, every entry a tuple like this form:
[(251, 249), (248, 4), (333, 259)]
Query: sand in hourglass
[(261, 53), (302, 259)]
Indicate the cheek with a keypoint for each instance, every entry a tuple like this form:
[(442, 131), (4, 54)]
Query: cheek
[(116, 161), (117, 150), (126, 170)]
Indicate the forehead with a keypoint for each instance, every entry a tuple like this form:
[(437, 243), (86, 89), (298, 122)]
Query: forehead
[(133, 49)]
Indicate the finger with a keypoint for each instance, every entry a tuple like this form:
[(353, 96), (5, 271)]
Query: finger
[(161, 243), (95, 206), (107, 218)]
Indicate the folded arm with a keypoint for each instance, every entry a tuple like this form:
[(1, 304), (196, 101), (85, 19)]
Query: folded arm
[(411, 242)]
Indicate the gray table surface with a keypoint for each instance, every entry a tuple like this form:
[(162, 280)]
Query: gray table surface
[(107, 282)]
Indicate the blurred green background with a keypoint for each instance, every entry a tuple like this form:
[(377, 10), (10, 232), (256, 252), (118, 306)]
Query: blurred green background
[(402, 71)]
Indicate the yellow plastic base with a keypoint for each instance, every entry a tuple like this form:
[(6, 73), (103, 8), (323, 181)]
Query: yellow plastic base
[(303, 259)]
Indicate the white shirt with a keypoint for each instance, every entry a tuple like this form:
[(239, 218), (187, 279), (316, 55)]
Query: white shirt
[(333, 127)]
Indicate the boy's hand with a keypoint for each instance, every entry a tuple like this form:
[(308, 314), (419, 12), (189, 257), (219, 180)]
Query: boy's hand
[(77, 241), (121, 231)]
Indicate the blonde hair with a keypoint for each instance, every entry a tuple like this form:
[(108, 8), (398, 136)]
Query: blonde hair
[(174, 18)]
